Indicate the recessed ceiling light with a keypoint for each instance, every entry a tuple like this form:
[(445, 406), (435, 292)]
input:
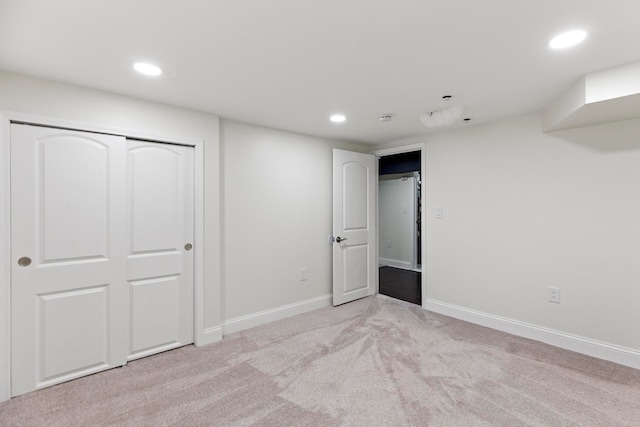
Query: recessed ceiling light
[(568, 39), (147, 69), (338, 118)]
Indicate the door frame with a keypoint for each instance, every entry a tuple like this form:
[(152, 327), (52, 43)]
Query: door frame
[(418, 146), (9, 117)]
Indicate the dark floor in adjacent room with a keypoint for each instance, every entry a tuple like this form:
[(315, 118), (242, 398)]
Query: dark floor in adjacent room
[(401, 284)]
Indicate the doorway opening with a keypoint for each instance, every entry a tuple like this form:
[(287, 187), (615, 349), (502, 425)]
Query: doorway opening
[(400, 229)]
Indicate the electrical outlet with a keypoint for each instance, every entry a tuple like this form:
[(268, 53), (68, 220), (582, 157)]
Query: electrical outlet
[(388, 243), (303, 274), (554, 295)]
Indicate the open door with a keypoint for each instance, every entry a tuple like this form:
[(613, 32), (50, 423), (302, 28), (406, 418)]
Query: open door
[(355, 269)]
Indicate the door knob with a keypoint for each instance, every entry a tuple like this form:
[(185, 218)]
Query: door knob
[(188, 246), (24, 261), (340, 239)]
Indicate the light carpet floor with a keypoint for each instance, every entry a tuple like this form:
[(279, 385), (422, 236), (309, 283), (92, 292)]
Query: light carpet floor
[(373, 362)]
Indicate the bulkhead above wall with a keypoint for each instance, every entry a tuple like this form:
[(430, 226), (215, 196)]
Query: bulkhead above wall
[(601, 110), (606, 96)]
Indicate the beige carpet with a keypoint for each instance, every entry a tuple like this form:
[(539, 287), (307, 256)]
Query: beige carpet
[(373, 362)]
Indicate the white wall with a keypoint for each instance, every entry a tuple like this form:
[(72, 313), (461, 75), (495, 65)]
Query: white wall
[(525, 210), (277, 217), (34, 96), (396, 221)]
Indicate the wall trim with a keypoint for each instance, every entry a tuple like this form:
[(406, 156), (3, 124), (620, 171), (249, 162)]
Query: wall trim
[(209, 336), (418, 146), (601, 350), (405, 265), (5, 262), (260, 318)]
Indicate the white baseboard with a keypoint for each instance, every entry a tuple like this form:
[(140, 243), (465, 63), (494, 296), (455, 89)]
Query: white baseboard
[(601, 350), (209, 336), (395, 263), (262, 317)]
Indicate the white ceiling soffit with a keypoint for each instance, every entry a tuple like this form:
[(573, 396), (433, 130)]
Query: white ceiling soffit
[(607, 96)]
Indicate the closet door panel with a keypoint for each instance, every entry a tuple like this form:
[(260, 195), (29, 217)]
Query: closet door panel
[(160, 262), (69, 295)]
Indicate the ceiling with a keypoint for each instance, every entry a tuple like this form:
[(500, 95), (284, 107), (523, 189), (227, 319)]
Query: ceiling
[(290, 64)]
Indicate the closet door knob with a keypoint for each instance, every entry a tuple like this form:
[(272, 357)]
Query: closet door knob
[(188, 246), (340, 239), (25, 261)]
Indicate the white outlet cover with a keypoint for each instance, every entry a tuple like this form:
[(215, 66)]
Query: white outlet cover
[(554, 294)]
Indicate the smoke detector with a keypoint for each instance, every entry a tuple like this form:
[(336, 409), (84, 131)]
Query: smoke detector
[(385, 117)]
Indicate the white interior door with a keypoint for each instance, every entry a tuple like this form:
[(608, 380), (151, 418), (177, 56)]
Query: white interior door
[(68, 255), (160, 254), (355, 269)]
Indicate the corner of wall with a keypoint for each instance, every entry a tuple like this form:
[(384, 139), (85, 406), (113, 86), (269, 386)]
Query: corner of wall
[(555, 114)]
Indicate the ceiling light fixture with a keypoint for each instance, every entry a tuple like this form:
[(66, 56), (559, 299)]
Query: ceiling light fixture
[(568, 39), (147, 69), (444, 117), (385, 117), (338, 118)]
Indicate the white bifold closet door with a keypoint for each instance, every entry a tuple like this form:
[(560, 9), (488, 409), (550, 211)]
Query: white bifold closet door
[(100, 272)]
